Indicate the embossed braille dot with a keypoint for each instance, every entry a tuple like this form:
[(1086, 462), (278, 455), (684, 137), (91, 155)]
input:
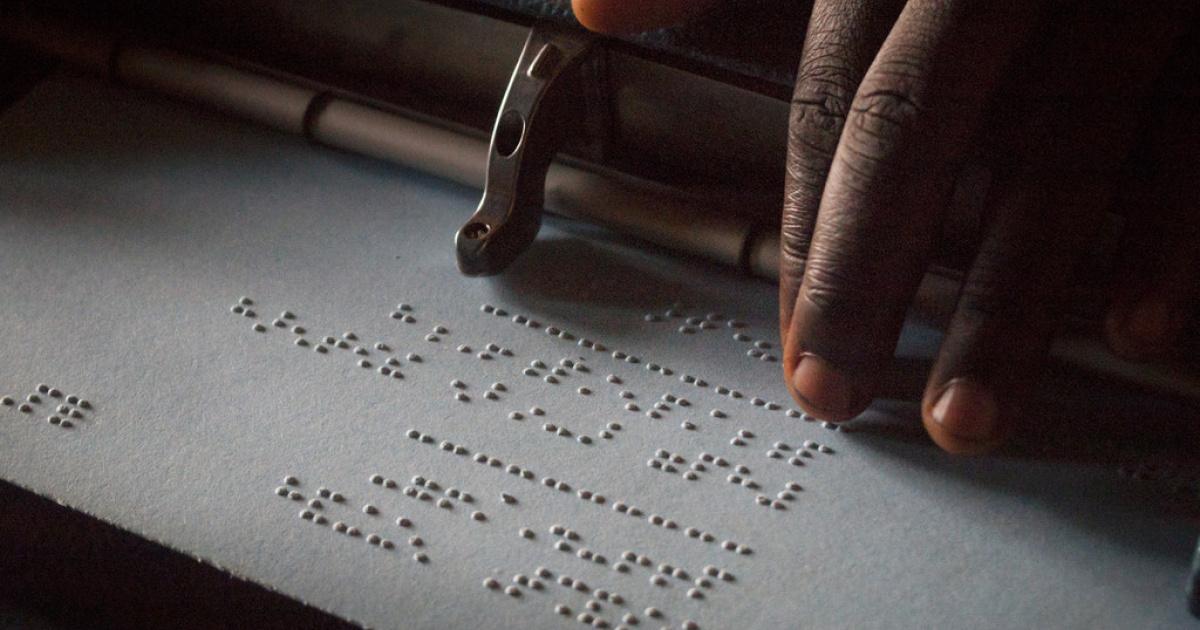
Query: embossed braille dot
[(421, 557), (562, 545), (320, 349), (353, 531), (563, 432), (635, 511), (654, 612), (551, 379), (687, 426), (658, 580), (737, 442), (54, 420), (559, 371), (281, 491), (315, 504), (363, 363), (295, 496)]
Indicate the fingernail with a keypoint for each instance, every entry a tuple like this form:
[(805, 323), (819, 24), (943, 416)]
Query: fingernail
[(967, 411), (825, 391)]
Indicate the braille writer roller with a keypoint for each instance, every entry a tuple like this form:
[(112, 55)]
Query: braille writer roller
[(676, 138)]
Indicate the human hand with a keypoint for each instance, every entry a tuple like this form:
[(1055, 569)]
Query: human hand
[(892, 98)]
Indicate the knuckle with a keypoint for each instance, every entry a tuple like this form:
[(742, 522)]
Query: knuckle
[(882, 115), (832, 289), (816, 127)]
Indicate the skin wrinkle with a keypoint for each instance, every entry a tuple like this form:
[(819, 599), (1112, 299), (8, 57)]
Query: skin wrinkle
[(1043, 90), (869, 194), (841, 39)]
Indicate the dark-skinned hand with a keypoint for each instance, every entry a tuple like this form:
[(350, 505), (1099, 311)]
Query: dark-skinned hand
[(1077, 106)]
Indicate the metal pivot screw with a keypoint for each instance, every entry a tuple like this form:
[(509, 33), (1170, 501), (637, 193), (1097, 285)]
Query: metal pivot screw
[(531, 127)]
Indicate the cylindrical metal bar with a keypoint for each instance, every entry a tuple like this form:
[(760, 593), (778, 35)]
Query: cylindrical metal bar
[(260, 98), (658, 214), (370, 131)]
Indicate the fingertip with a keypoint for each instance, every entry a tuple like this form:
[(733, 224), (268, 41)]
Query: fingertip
[(963, 417), (603, 16), (620, 17), (826, 392)]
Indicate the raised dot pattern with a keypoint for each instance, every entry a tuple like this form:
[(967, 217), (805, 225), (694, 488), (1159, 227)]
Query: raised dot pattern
[(693, 404)]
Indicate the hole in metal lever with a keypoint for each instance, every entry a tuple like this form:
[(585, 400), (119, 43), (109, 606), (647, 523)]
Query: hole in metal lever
[(509, 131), (535, 120)]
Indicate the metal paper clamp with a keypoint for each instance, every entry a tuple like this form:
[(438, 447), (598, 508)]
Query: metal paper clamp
[(534, 121)]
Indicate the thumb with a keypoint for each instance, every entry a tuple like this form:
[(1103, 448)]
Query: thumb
[(618, 17)]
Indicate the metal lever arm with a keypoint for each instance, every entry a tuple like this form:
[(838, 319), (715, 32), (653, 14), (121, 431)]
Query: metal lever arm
[(533, 123)]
